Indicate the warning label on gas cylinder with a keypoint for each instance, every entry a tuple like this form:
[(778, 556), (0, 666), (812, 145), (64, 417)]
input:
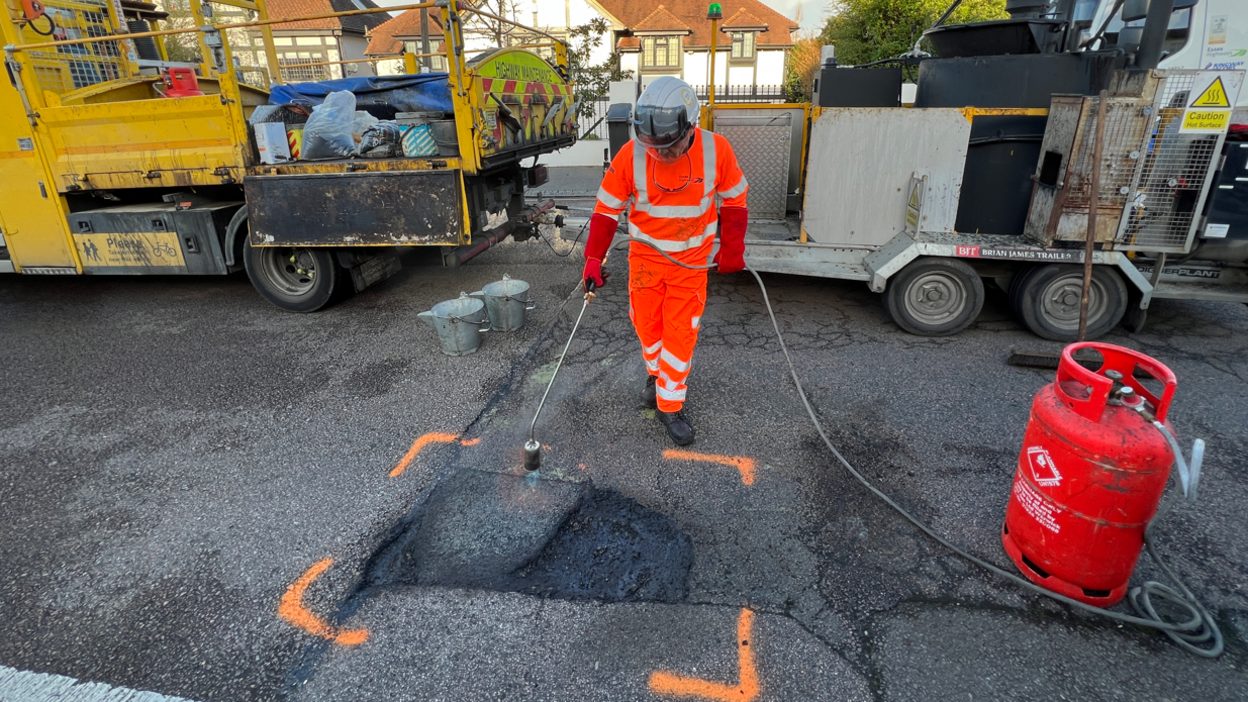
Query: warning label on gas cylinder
[(1034, 504), (1043, 469)]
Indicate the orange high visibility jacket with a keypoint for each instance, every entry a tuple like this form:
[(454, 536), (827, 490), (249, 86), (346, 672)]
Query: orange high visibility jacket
[(673, 206)]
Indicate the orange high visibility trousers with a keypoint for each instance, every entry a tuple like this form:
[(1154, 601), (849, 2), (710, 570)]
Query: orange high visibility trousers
[(666, 304)]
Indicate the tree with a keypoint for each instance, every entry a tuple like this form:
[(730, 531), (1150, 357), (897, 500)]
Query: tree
[(591, 80), (495, 32), (868, 30), (179, 47), (799, 68)]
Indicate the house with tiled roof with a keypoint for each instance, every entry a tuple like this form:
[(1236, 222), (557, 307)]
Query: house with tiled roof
[(667, 37), (402, 35), (674, 39), (304, 47)]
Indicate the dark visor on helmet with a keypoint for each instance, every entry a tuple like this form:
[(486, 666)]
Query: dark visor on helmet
[(660, 127)]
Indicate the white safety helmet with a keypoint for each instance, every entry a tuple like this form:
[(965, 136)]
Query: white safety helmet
[(666, 110)]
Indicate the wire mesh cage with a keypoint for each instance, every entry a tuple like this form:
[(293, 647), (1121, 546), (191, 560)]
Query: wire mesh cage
[(1171, 180), (1124, 124), (63, 69)]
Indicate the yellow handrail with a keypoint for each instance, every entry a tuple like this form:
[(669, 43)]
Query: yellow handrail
[(12, 48)]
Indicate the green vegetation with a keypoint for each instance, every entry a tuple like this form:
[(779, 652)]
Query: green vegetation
[(869, 30)]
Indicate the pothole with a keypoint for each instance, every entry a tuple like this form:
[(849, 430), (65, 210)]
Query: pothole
[(543, 537)]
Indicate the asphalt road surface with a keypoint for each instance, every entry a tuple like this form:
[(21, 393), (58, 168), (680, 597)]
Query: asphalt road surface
[(208, 498)]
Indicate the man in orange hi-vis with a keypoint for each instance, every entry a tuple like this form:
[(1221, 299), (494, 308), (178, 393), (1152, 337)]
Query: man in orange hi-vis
[(672, 173)]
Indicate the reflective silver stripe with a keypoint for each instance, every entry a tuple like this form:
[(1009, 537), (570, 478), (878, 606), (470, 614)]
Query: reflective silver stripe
[(675, 211), (651, 350), (697, 322), (673, 395), (730, 192), (670, 245), (608, 199), (652, 365), (642, 203), (668, 383), (709, 166), (673, 361)]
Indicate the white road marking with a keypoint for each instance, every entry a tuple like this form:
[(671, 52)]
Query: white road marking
[(25, 686)]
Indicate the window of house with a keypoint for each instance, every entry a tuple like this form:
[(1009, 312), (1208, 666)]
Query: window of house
[(743, 46), (660, 52), (436, 63), (295, 67)]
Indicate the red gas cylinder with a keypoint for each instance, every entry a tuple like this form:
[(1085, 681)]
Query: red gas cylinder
[(1090, 475), (181, 82)]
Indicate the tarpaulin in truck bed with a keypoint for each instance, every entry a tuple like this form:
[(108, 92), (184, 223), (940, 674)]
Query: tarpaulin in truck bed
[(427, 92)]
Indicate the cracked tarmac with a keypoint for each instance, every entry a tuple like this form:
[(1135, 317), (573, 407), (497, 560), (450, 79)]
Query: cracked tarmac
[(177, 454)]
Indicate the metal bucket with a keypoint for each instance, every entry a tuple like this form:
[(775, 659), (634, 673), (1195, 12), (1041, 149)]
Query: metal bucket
[(446, 136), (459, 324), (506, 301)]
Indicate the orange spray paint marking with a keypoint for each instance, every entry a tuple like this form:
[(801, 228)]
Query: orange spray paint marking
[(741, 463), (470, 442), (292, 610), (430, 438), (665, 683)]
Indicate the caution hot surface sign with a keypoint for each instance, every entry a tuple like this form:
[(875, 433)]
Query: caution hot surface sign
[(1209, 106)]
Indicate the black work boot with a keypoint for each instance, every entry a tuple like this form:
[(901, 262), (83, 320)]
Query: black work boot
[(648, 394), (678, 427)]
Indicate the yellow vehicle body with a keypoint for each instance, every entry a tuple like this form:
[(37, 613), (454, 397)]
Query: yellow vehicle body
[(84, 126)]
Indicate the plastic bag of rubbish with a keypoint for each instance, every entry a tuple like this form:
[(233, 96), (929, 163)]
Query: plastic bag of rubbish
[(328, 131), (360, 124), (382, 140)]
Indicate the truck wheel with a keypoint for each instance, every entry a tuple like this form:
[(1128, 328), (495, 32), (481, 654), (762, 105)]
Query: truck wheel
[(1015, 293), (1047, 301), (935, 296), (296, 279)]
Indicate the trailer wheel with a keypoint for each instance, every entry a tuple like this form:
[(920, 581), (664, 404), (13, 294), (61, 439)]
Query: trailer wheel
[(297, 279), (1047, 299), (935, 296)]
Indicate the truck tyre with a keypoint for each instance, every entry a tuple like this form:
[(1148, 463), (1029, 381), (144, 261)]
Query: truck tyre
[(935, 296), (1047, 301), (297, 279)]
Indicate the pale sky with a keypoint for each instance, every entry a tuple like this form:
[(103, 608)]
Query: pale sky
[(813, 10)]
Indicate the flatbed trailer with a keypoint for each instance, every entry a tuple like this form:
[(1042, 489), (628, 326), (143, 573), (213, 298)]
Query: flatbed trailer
[(910, 200)]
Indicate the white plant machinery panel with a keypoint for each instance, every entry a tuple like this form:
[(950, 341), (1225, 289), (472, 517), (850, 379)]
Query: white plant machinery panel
[(861, 166)]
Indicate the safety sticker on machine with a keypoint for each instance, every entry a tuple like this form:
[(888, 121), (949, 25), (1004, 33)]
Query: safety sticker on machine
[(1036, 506), (1209, 112), (130, 249)]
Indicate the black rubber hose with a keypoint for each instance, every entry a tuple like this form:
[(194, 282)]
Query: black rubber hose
[(1200, 628)]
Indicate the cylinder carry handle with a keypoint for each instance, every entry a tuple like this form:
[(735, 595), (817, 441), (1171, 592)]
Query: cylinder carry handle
[(1116, 358)]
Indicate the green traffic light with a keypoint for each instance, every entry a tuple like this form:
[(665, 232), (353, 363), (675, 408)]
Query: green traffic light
[(714, 12)]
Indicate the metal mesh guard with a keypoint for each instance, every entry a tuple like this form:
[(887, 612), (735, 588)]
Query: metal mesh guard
[(1122, 139), (1172, 178), (67, 68)]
